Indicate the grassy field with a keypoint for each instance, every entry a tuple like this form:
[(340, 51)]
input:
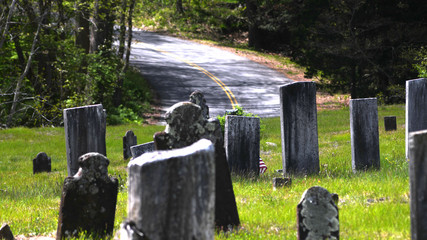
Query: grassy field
[(372, 205)]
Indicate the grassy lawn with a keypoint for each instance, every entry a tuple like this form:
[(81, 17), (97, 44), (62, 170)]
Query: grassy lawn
[(372, 205)]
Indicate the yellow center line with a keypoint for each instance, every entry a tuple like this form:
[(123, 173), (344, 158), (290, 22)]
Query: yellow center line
[(224, 87)]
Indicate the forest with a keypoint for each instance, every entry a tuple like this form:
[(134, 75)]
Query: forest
[(56, 54)]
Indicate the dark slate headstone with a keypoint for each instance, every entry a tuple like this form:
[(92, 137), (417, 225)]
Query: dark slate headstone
[(298, 116), (6, 233), (185, 126), (416, 107), (172, 194), (41, 163), (138, 150), (417, 182), (85, 129), (390, 123), (317, 215), (241, 137), (129, 140), (365, 147), (88, 201)]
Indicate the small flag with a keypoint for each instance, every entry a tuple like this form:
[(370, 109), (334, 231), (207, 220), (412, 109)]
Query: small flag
[(262, 166)]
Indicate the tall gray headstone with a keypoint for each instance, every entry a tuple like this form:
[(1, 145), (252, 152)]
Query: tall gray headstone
[(317, 215), (140, 149), (172, 194), (298, 116), (241, 137), (85, 129), (129, 140), (365, 147), (418, 186), (416, 107)]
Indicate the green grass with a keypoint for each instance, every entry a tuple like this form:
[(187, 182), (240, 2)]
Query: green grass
[(373, 204)]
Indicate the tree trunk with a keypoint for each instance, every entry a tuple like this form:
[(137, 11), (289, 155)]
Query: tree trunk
[(251, 12), (6, 27), (82, 24), (179, 7), (122, 36)]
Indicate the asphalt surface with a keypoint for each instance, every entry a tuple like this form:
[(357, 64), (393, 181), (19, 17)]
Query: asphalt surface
[(176, 67)]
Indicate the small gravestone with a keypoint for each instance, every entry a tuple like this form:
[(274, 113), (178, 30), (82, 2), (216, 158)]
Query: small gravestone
[(198, 98), (241, 137), (317, 215), (281, 182), (185, 126), (390, 123), (298, 120), (129, 140), (6, 233), (88, 201), (140, 149), (417, 182), (416, 107), (85, 129), (41, 163), (365, 150), (172, 194)]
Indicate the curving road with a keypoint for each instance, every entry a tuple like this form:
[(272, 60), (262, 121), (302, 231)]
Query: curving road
[(176, 67)]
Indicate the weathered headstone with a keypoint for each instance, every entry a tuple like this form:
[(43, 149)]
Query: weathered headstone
[(198, 98), (241, 137), (185, 126), (6, 233), (281, 182), (85, 129), (42, 163), (172, 194), (417, 181), (365, 148), (298, 116), (390, 123), (88, 201), (129, 140), (140, 149), (416, 107), (317, 215)]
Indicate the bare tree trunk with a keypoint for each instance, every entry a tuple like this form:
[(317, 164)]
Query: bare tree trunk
[(122, 36), (179, 7), (82, 22), (6, 27)]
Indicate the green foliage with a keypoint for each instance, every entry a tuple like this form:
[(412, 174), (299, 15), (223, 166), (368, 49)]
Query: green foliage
[(238, 111), (421, 66)]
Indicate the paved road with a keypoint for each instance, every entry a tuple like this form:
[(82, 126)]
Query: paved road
[(175, 68)]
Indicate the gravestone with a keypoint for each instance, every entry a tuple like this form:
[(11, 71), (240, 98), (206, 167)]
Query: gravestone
[(138, 150), (6, 233), (365, 150), (390, 123), (281, 182), (298, 116), (88, 201), (129, 140), (198, 98), (84, 132), (416, 107), (172, 194), (241, 137), (317, 215), (42, 163), (417, 182), (185, 126)]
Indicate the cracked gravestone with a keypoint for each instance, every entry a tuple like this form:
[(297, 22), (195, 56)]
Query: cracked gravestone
[(42, 163), (129, 140), (88, 201)]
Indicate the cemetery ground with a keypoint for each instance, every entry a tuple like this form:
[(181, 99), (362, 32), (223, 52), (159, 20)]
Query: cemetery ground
[(372, 204)]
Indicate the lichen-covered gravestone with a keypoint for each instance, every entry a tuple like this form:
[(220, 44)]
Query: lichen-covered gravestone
[(172, 194), (129, 140), (88, 201), (140, 149), (416, 107), (317, 215), (85, 129), (185, 126), (42, 163)]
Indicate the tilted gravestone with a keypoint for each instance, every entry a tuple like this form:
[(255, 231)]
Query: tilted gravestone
[(417, 182), (172, 194), (42, 163), (88, 201), (129, 140), (241, 137), (85, 129), (140, 149), (185, 126), (317, 215), (365, 148), (416, 107), (390, 123), (298, 116)]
